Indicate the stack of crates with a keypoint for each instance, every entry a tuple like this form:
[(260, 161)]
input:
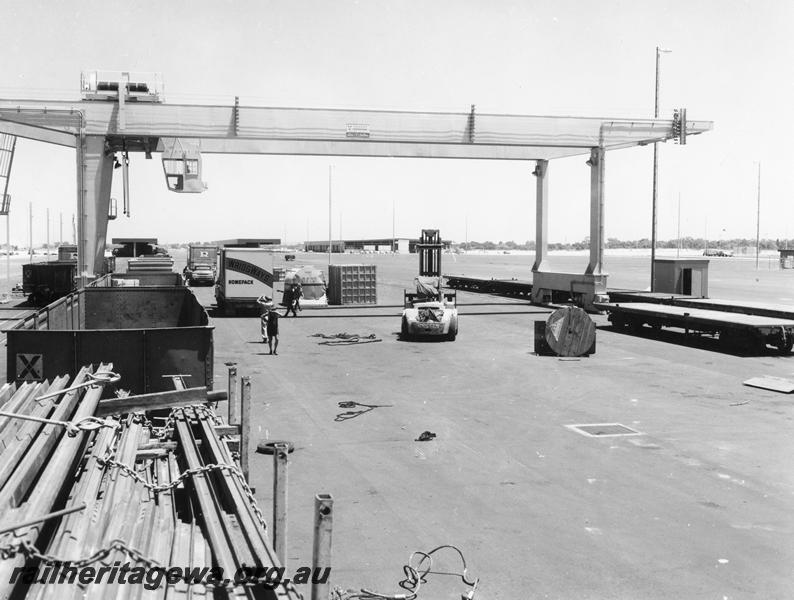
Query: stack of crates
[(352, 284)]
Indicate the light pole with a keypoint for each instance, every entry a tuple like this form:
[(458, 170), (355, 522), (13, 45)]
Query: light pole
[(330, 238), (6, 210), (758, 220), (659, 52), (678, 232), (30, 230)]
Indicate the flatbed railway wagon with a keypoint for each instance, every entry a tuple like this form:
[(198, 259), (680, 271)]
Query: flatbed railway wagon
[(752, 333)]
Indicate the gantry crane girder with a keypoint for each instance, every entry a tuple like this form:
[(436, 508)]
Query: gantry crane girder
[(98, 129)]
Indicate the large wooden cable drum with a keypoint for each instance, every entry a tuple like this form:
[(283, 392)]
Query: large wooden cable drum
[(570, 331)]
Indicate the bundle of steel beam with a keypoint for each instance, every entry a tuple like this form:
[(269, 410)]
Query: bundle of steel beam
[(121, 497)]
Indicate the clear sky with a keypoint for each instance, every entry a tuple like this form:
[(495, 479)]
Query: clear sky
[(731, 62)]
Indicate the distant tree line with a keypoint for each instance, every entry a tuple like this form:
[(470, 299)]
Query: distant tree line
[(686, 242)]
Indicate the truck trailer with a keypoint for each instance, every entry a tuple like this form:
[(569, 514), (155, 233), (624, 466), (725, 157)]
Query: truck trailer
[(245, 275), (202, 264)]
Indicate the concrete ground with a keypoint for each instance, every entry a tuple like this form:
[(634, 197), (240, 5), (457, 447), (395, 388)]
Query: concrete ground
[(697, 506)]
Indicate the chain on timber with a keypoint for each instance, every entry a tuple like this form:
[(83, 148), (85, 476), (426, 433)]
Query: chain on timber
[(200, 409), (26, 547), (233, 469), (164, 487)]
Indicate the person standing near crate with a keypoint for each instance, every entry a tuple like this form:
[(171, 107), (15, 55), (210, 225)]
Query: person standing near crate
[(269, 323)]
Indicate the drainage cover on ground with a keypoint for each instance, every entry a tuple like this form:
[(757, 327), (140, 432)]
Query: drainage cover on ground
[(603, 430)]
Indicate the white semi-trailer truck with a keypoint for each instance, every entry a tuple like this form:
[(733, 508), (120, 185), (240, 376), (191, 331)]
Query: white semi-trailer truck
[(245, 275)]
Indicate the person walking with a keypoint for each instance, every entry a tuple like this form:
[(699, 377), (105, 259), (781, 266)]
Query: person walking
[(297, 295), (292, 299), (287, 299)]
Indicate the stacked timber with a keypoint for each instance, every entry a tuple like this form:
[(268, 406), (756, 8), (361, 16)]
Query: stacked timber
[(96, 485)]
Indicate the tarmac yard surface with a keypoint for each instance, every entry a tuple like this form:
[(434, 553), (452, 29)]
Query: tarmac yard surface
[(699, 504)]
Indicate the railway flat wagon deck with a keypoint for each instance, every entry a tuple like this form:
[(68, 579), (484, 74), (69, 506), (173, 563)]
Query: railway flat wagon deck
[(735, 330), (500, 287)]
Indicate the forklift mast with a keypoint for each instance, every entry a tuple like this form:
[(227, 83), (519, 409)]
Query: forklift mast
[(430, 246)]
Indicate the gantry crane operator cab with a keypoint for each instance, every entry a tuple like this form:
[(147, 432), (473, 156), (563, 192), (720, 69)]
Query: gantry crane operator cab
[(182, 165)]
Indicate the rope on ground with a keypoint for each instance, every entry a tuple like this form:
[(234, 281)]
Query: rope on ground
[(415, 576), (346, 339)]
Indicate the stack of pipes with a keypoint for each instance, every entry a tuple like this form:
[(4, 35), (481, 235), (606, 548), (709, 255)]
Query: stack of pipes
[(125, 496)]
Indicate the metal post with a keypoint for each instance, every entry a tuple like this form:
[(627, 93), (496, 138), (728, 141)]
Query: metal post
[(245, 422), (8, 245), (60, 236), (48, 233), (330, 238), (30, 230), (541, 215), (280, 479), (321, 553), (596, 162), (678, 232), (80, 227), (653, 214), (466, 230), (758, 221), (655, 170), (232, 392), (125, 175)]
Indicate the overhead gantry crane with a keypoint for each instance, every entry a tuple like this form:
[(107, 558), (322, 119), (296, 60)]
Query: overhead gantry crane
[(122, 113)]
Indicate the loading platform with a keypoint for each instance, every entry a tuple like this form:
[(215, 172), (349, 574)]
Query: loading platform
[(748, 332)]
